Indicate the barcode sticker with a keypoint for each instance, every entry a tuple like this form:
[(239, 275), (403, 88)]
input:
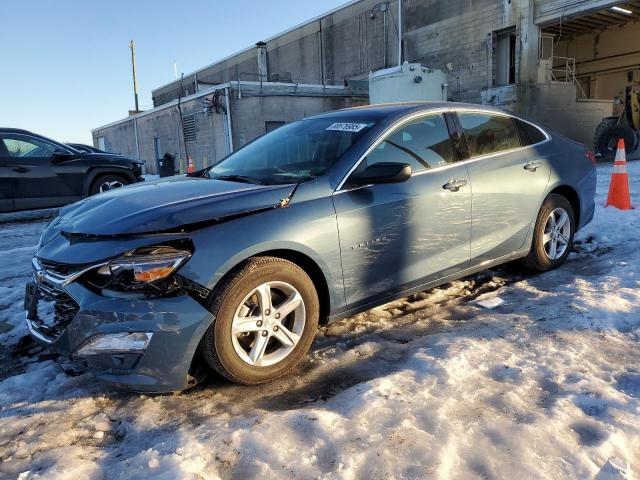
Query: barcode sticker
[(347, 127)]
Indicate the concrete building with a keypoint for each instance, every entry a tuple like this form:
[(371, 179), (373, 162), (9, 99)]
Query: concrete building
[(561, 62), (210, 124)]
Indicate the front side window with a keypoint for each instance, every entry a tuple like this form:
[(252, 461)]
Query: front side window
[(422, 144), (295, 152), (20, 146), (486, 133)]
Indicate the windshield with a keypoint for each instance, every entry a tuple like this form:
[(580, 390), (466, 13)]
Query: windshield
[(294, 153)]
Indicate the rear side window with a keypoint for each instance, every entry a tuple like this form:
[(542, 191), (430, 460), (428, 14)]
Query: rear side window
[(529, 134), (422, 144), (486, 133)]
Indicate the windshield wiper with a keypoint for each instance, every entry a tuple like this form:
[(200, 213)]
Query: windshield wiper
[(238, 178)]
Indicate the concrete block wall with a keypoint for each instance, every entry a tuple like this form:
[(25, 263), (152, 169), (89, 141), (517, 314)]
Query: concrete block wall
[(350, 42), (250, 113)]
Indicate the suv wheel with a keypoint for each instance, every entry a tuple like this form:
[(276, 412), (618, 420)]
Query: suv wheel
[(104, 183), (266, 316), (553, 235)]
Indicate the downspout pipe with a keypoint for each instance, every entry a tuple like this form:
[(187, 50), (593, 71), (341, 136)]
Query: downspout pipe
[(135, 131), (228, 107), (400, 33)]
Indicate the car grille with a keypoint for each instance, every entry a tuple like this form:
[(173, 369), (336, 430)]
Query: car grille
[(59, 269), (56, 309)]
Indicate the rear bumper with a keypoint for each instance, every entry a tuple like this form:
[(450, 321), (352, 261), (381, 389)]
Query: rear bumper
[(177, 324)]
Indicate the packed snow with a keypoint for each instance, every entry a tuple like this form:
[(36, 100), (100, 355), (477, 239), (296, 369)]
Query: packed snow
[(545, 385)]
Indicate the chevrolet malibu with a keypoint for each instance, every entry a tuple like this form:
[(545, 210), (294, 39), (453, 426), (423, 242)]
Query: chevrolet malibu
[(238, 264)]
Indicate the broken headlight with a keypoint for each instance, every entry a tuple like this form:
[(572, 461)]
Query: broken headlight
[(143, 269)]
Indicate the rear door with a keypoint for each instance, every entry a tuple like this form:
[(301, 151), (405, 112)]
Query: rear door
[(38, 180), (402, 235), (508, 178), (6, 193)]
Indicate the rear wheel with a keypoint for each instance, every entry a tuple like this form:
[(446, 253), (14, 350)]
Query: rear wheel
[(553, 234), (104, 183), (266, 316)]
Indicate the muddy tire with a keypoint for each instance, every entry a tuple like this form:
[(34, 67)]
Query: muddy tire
[(606, 138), (553, 234), (266, 317)]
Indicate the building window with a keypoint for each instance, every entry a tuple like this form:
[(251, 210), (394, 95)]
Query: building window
[(101, 144), (506, 58), (189, 127)]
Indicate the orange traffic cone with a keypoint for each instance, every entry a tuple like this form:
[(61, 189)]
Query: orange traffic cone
[(190, 167), (619, 187)]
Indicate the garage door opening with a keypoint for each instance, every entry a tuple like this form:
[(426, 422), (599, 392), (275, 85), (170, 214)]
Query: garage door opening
[(599, 48), (597, 54)]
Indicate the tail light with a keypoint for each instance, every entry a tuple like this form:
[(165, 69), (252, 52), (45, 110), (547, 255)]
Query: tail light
[(590, 155)]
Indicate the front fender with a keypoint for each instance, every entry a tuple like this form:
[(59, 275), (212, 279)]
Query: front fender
[(308, 228)]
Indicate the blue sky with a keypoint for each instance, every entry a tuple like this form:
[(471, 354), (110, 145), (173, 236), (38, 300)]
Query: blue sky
[(66, 64)]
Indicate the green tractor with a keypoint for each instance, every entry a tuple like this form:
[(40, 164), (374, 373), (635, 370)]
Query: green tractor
[(625, 125)]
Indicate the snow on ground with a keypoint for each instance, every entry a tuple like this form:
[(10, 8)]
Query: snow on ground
[(547, 385)]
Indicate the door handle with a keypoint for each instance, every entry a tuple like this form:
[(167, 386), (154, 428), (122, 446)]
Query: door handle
[(454, 184), (532, 166), (21, 169)]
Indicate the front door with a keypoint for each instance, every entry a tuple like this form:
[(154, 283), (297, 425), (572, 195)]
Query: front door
[(6, 193), (38, 181), (508, 182), (402, 235)]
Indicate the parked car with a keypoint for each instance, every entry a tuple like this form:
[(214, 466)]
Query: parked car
[(315, 221), (81, 147), (37, 172)]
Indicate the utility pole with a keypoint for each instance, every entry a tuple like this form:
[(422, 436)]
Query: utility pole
[(132, 46)]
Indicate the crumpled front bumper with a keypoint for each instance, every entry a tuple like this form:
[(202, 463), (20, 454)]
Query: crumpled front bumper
[(177, 323)]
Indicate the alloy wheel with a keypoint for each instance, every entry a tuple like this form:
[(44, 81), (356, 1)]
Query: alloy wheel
[(557, 232), (268, 324), (106, 186)]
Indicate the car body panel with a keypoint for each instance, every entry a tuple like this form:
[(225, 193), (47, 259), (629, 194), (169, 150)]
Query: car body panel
[(506, 197), (276, 230), (177, 324), (370, 244), (386, 243), (6, 188), (168, 203)]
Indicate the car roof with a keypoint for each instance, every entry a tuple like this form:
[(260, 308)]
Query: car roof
[(384, 110), (15, 130)]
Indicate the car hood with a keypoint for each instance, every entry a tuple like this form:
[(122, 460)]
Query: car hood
[(165, 205)]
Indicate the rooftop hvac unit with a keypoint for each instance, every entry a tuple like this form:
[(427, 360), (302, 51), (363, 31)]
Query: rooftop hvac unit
[(410, 82)]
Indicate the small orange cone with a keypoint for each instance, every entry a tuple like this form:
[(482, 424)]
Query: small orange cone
[(190, 167), (619, 187)]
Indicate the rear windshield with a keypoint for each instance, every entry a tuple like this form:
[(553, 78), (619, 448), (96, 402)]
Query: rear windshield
[(293, 153)]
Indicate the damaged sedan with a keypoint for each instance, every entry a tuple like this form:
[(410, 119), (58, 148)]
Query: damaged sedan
[(236, 265)]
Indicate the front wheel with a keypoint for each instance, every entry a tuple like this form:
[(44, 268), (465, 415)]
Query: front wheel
[(266, 316), (553, 234), (104, 183)]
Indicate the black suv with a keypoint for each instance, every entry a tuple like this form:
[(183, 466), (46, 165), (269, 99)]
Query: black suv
[(37, 172)]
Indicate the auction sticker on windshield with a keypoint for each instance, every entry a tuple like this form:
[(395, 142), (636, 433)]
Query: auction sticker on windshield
[(347, 127)]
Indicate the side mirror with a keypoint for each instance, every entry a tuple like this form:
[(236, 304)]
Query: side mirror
[(62, 155), (383, 172)]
